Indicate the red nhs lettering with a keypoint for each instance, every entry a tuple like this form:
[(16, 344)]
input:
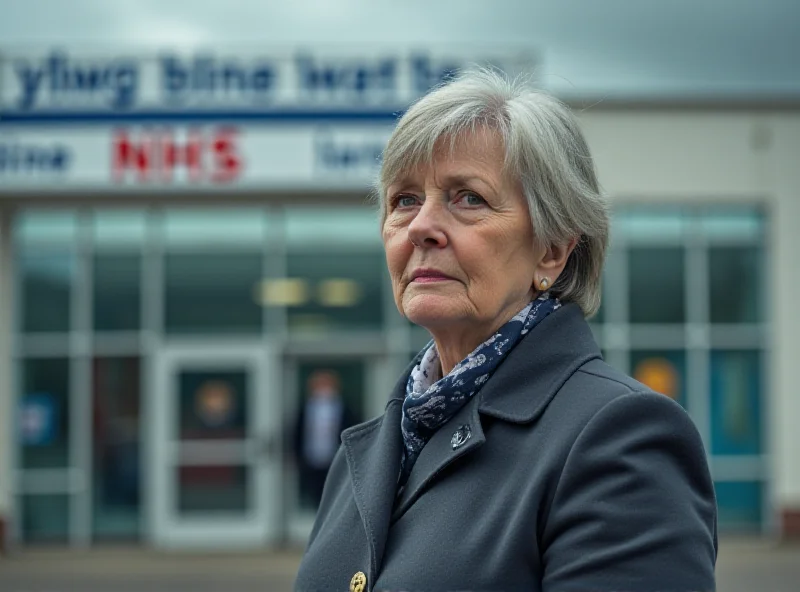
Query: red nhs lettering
[(156, 155)]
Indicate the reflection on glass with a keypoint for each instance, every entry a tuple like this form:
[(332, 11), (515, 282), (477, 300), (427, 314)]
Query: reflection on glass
[(44, 518), (733, 272), (213, 489), (664, 371), (45, 291), (656, 285), (342, 290), (643, 224), (117, 293), (44, 424), (213, 404), (46, 226), (735, 223), (116, 227), (735, 402), (213, 292), (201, 227), (739, 505), (331, 400), (336, 225), (116, 447), (284, 292)]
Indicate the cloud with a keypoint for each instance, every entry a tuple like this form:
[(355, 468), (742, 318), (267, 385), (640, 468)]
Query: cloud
[(589, 46)]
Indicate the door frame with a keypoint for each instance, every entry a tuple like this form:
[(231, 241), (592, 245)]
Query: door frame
[(261, 525)]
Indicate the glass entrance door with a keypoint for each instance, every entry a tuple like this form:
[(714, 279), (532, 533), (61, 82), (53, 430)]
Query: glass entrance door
[(216, 457)]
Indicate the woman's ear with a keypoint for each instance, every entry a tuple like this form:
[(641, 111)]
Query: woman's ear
[(553, 263)]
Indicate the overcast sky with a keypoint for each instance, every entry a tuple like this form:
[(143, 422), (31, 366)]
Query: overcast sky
[(592, 48)]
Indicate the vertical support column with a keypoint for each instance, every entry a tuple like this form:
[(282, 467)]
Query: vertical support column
[(784, 318), (7, 441), (80, 530)]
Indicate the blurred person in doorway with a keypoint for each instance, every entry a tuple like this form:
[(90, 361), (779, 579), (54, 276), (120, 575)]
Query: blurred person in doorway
[(510, 456), (322, 417)]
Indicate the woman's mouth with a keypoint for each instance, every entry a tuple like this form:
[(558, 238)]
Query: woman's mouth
[(427, 276)]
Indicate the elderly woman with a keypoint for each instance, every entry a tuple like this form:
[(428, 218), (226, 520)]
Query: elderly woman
[(509, 456)]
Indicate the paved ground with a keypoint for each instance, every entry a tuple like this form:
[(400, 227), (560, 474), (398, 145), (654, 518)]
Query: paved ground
[(743, 566)]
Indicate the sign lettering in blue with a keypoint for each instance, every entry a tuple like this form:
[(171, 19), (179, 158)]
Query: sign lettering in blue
[(59, 80), (357, 78), (347, 155), (207, 75), (33, 158)]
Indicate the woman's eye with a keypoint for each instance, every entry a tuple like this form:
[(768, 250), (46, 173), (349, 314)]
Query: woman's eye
[(405, 201), (471, 199)]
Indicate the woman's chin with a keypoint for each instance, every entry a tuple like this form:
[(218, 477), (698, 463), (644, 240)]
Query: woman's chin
[(432, 310)]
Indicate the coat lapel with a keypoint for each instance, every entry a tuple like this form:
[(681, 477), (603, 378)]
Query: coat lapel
[(538, 366), (442, 449), (373, 451)]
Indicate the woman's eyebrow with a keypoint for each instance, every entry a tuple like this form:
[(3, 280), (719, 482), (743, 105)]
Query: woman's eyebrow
[(466, 179), (404, 185)]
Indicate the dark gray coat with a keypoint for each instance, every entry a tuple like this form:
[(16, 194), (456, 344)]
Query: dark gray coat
[(574, 477)]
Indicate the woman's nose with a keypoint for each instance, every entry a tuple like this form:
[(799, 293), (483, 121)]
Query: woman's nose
[(428, 228)]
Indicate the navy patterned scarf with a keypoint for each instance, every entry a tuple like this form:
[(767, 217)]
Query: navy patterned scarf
[(431, 400)]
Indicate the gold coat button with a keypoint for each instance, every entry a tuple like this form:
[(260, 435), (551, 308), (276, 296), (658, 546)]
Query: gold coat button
[(359, 582)]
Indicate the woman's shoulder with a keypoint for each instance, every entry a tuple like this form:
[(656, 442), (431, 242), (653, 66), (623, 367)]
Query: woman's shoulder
[(599, 393), (598, 384)]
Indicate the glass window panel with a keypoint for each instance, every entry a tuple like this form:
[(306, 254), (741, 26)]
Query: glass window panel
[(739, 504), (213, 292), (46, 226), (340, 226), (112, 228), (733, 271), (213, 404), (656, 288), (664, 371), (213, 489), (735, 402), (735, 224), (240, 226), (330, 401), (45, 295), (116, 292), (44, 413), (116, 447), (44, 518), (648, 224), (335, 290)]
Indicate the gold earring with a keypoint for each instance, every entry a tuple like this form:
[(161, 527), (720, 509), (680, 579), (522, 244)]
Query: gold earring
[(544, 283)]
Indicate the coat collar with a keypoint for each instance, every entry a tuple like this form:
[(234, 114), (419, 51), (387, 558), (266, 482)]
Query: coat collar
[(537, 367)]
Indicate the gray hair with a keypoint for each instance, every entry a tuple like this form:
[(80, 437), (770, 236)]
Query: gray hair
[(545, 151)]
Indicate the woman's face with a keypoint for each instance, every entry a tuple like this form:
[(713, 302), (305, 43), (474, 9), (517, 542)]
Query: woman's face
[(474, 262)]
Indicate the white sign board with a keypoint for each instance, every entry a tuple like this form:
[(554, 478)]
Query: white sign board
[(70, 122), (179, 156)]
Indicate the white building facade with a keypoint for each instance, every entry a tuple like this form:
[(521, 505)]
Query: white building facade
[(176, 221)]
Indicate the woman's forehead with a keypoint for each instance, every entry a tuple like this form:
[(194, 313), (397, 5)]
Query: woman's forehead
[(466, 155)]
